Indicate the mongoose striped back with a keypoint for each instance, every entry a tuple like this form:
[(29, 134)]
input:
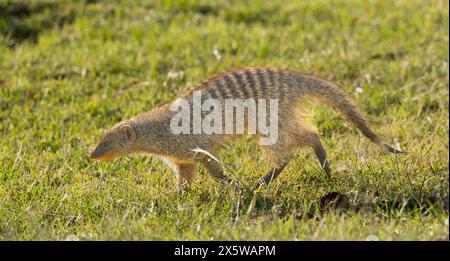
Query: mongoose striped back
[(255, 83)]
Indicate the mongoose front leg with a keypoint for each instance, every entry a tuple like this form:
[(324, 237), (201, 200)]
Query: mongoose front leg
[(185, 173), (215, 169)]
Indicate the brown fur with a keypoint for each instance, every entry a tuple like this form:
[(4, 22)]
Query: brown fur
[(150, 132)]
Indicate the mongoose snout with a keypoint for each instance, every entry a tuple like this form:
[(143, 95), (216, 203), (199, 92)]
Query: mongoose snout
[(117, 142), (99, 155), (149, 132)]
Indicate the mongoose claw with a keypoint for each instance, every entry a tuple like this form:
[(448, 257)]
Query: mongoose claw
[(260, 184), (328, 172)]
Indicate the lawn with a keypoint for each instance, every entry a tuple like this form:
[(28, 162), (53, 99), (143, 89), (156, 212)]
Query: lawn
[(69, 71)]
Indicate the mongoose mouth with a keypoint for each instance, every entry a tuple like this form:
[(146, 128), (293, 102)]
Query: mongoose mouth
[(100, 157)]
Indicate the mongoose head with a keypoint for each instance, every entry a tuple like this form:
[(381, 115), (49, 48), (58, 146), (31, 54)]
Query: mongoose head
[(118, 141)]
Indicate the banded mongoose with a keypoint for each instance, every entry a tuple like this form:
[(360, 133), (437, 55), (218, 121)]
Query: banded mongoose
[(150, 132)]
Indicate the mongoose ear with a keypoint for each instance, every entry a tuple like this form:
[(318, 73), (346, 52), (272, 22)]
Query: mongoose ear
[(130, 133)]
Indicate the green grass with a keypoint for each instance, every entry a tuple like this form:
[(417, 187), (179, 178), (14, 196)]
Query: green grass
[(69, 71)]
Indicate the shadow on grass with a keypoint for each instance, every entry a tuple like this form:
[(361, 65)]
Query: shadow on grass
[(25, 20), (340, 203)]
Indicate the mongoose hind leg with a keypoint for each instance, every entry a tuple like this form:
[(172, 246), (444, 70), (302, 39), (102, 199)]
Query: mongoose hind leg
[(311, 138), (281, 152), (279, 155), (321, 155), (273, 173)]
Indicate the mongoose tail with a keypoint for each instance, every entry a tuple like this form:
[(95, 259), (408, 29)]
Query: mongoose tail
[(332, 95)]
